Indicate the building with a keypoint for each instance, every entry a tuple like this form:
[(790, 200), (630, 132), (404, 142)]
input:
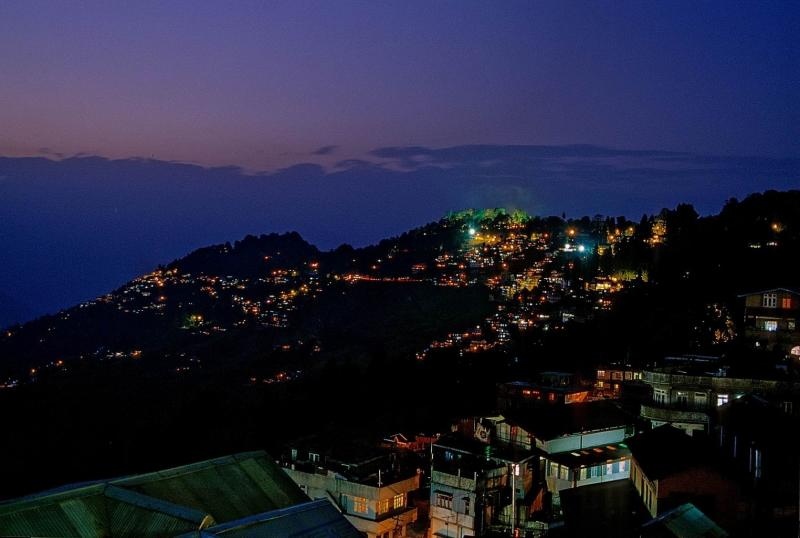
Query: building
[(771, 316), (495, 473), (610, 379), (371, 485), (687, 395), (751, 438), (219, 497), (551, 388), (580, 444), (670, 468), (482, 483)]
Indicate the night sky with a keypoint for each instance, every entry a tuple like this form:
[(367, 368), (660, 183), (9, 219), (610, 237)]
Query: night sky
[(350, 121)]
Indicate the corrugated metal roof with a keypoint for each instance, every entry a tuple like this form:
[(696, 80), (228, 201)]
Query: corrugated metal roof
[(227, 488), (162, 503), (317, 519)]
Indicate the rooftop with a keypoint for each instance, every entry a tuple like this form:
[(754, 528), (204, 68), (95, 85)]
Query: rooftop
[(559, 420), (163, 503), (666, 450), (685, 521), (607, 509)]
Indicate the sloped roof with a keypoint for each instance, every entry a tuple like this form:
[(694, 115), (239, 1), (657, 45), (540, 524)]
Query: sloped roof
[(162, 503), (228, 488), (666, 450), (317, 519), (685, 521), (759, 292)]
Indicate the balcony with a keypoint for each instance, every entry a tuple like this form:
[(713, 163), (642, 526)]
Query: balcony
[(663, 413)]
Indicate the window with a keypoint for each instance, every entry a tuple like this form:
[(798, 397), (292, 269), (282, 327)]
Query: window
[(304, 488), (601, 374), (466, 506), (609, 468), (683, 398), (383, 506), (786, 302), (622, 466), (616, 376), (444, 500), (360, 505), (313, 457), (769, 300), (722, 399), (660, 396), (770, 325), (399, 501)]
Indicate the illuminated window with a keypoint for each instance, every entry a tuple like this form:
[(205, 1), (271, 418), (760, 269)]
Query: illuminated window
[(771, 325), (313, 457), (399, 501), (622, 466), (360, 505), (722, 399), (616, 376), (444, 500), (383, 506), (609, 468), (769, 300), (786, 302), (601, 374)]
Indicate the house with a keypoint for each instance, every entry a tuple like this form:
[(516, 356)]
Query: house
[(209, 498), (670, 468), (771, 316), (371, 485)]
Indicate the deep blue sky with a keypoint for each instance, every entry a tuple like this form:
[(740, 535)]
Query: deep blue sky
[(359, 113)]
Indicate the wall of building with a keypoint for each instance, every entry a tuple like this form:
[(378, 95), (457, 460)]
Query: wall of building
[(580, 441), (560, 477)]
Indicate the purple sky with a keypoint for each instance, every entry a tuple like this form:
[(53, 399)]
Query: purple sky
[(368, 118), (263, 84)]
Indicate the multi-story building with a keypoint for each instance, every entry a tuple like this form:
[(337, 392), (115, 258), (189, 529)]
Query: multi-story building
[(687, 396), (495, 473), (480, 483), (369, 484)]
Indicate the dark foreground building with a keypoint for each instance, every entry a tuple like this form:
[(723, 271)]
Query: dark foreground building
[(243, 495)]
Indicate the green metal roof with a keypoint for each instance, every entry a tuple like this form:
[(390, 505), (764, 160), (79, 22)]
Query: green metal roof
[(163, 503)]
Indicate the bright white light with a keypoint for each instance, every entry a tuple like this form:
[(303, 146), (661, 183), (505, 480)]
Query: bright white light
[(581, 248), (472, 231)]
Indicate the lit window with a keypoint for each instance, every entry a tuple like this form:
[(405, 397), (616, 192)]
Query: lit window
[(786, 302), (360, 505), (601, 374), (609, 468), (383, 506), (399, 501), (722, 399), (313, 457), (622, 466), (771, 325), (769, 300)]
